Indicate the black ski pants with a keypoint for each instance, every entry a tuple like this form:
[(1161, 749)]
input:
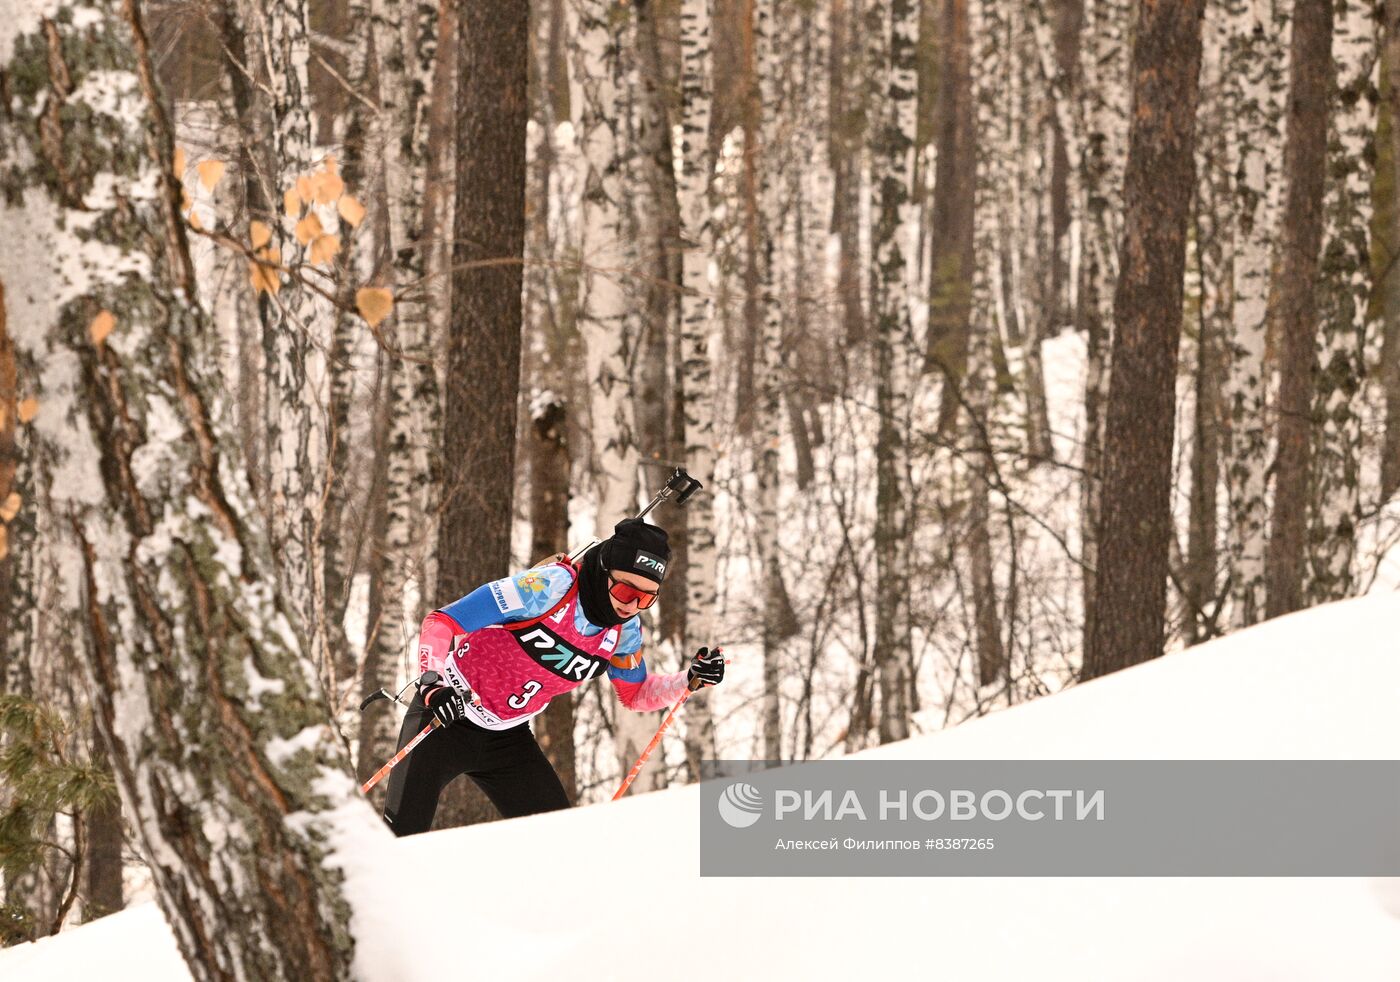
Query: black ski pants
[(508, 765)]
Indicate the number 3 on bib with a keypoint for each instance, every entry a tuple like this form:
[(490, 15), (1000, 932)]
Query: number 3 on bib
[(519, 699)]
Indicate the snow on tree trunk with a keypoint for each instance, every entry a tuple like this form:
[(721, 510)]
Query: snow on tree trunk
[(1342, 304), (225, 758), (698, 384), (1255, 56), (892, 245)]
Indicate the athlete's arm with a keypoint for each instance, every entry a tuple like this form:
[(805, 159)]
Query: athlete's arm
[(638, 689), (514, 598)]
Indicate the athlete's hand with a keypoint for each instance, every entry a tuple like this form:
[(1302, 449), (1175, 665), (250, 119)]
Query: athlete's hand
[(706, 669), (446, 704)]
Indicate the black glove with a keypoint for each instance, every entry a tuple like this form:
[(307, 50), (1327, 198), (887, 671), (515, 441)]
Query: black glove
[(446, 704), (708, 668)]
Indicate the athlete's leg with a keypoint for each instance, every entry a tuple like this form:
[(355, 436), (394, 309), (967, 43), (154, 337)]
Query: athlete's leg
[(516, 775)]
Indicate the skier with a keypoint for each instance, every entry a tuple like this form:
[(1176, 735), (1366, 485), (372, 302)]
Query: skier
[(510, 646)]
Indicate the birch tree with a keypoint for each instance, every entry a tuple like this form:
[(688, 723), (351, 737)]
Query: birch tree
[(405, 42), (697, 330), (1343, 300), (221, 742), (1255, 57), (990, 154), (600, 27), (892, 251)]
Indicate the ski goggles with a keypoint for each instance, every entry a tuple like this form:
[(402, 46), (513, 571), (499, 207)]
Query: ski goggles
[(626, 593)]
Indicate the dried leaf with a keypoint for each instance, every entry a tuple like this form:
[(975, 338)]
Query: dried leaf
[(195, 223), (331, 167), (179, 163), (351, 210), (101, 326), (185, 203), (327, 187), (291, 203), (324, 248), (374, 304), (266, 277), (4, 542), (259, 233), (308, 228), (28, 409), (305, 190), (11, 507), (210, 173)]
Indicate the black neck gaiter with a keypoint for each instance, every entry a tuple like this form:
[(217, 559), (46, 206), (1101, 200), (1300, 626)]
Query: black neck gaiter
[(593, 590)]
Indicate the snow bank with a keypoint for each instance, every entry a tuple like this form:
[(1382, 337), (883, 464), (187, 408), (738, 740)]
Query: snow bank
[(613, 891)]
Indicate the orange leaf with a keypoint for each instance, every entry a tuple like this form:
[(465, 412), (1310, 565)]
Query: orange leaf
[(328, 187), (28, 409), (331, 165), (11, 507), (210, 173), (179, 162), (260, 234), (4, 542), (324, 248), (101, 326), (185, 202), (291, 203), (195, 223), (305, 190), (308, 228), (351, 210), (266, 277), (374, 304)]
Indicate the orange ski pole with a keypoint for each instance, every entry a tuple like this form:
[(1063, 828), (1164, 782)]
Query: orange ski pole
[(383, 772), (665, 725)]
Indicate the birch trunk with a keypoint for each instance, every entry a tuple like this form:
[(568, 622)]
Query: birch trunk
[(892, 244), (990, 148), (1255, 56), (405, 42), (220, 738), (600, 27), (1104, 70), (1343, 300), (698, 384)]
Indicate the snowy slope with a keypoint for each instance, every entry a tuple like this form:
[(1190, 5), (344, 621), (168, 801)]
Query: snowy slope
[(612, 891)]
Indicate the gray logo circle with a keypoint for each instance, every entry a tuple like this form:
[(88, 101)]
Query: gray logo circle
[(741, 805)]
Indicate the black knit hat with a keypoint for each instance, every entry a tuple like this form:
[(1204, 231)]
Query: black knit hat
[(636, 547)]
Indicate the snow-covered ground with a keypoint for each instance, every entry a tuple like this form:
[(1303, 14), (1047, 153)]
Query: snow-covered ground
[(613, 891)]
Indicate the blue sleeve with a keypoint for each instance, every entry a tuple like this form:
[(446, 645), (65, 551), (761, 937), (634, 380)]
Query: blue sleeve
[(515, 598)]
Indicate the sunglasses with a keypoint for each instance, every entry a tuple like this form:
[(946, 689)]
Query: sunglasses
[(626, 593)]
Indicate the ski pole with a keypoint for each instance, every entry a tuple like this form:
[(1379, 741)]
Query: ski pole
[(679, 483), (427, 680), (383, 772), (665, 725)]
